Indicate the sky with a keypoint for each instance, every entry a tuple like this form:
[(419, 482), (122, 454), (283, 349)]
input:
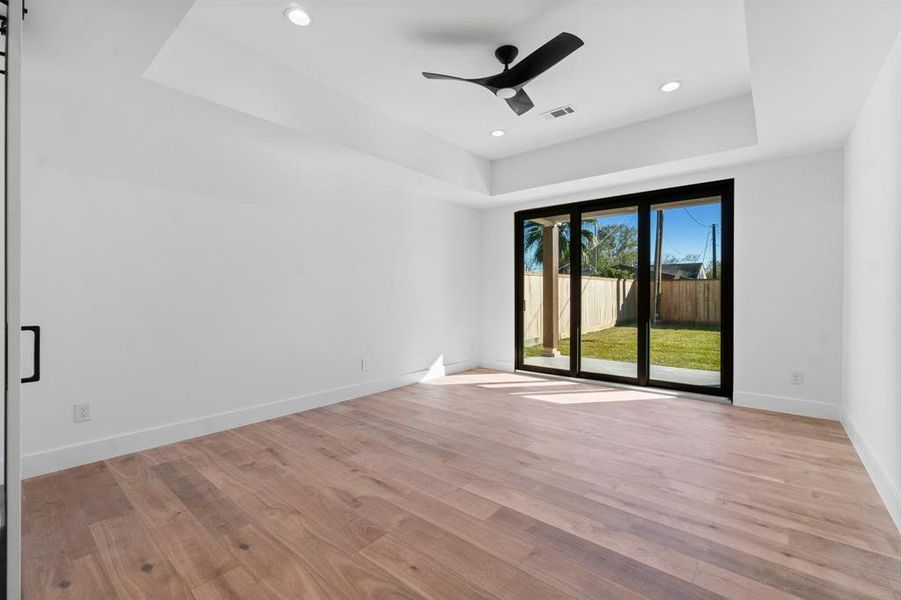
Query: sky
[(686, 230)]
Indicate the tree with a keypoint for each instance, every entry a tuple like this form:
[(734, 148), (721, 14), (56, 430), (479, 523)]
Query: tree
[(614, 252), (670, 259), (534, 244)]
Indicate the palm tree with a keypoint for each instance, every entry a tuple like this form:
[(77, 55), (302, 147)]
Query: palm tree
[(534, 243)]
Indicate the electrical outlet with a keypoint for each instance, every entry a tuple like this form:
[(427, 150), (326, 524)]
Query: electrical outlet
[(797, 378), (82, 412), (364, 364)]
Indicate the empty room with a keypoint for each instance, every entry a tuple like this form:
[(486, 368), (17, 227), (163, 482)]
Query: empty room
[(447, 299)]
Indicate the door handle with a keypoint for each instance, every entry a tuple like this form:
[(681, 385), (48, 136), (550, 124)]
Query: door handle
[(36, 375)]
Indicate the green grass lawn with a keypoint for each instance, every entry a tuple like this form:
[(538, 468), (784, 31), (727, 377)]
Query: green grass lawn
[(671, 346)]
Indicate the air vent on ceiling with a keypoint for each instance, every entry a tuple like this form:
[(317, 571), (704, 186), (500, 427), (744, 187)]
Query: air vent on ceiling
[(559, 112)]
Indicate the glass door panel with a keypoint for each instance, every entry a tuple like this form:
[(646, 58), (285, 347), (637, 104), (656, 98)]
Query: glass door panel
[(686, 292), (609, 292), (546, 292)]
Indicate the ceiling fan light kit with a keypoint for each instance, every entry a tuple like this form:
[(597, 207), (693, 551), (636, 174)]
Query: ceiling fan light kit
[(509, 83)]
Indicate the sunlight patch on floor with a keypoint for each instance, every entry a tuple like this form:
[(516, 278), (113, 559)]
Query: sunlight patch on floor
[(471, 378), (593, 389), (607, 395), (541, 383)]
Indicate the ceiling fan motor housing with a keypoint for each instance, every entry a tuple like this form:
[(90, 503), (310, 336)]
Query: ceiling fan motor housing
[(506, 54)]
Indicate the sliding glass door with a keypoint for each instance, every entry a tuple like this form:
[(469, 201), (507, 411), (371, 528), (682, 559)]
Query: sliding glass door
[(634, 289), (686, 292), (545, 284), (608, 335)]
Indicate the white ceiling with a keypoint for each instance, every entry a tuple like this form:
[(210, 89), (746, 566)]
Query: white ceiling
[(812, 65), (375, 50)]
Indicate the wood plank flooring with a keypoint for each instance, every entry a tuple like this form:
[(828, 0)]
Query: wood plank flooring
[(477, 485)]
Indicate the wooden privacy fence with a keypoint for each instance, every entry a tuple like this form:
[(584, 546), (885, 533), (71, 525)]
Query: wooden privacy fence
[(607, 301), (690, 301)]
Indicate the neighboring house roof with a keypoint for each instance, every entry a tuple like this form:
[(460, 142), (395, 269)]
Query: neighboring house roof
[(677, 270), (684, 271)]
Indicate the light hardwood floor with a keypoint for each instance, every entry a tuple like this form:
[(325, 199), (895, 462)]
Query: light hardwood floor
[(478, 485)]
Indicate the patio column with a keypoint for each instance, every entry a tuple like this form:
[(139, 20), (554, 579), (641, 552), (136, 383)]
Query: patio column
[(550, 290)]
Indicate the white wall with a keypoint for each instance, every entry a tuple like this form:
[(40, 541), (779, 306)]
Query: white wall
[(788, 280), (871, 408), (193, 269), (703, 130)]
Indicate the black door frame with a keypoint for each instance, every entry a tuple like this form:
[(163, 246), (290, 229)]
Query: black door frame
[(642, 201)]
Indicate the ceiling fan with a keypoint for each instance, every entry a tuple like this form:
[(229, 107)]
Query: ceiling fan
[(508, 83)]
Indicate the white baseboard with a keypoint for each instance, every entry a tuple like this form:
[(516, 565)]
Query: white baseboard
[(785, 404), (56, 459), (889, 493), (497, 365)]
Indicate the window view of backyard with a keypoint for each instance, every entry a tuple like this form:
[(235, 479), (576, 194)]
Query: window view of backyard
[(690, 347), (685, 241)]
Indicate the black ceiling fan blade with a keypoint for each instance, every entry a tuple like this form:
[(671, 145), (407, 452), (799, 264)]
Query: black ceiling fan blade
[(480, 81), (451, 77), (539, 61), (520, 103)]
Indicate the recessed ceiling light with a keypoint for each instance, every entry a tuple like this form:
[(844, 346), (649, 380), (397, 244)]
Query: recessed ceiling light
[(670, 86), (297, 15), (506, 93), (497, 133)]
